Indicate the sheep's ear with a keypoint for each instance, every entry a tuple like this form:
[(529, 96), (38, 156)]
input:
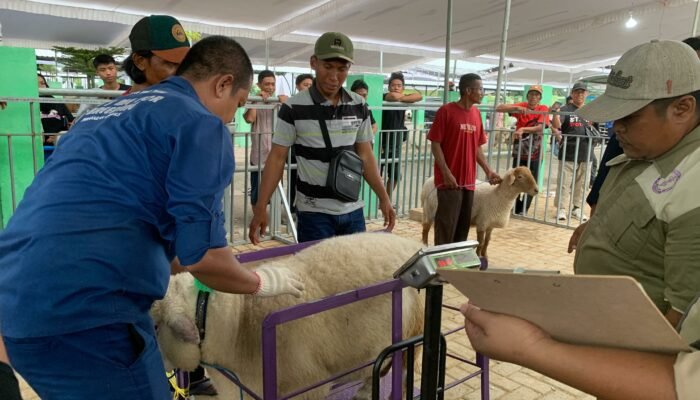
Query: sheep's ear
[(184, 329), (510, 178)]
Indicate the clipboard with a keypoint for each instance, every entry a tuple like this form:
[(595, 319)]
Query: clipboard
[(610, 311)]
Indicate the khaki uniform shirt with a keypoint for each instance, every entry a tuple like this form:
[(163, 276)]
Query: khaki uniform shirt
[(646, 225)]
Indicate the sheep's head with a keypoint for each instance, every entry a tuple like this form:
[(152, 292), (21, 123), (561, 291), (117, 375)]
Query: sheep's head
[(521, 178), (178, 337)]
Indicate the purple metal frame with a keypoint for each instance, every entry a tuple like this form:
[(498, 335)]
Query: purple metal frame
[(269, 334), (270, 323)]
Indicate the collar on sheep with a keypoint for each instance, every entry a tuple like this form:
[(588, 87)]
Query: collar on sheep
[(200, 315)]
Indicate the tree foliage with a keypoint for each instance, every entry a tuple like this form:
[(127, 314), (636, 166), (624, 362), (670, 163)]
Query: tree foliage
[(80, 60), (194, 36)]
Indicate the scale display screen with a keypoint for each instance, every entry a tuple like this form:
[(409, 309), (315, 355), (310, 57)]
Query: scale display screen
[(460, 259), (443, 262)]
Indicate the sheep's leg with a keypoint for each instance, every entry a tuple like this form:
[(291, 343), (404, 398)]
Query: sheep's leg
[(480, 239), (426, 231), (487, 239)]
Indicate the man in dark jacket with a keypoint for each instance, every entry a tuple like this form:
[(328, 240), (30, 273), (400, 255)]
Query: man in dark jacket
[(575, 154)]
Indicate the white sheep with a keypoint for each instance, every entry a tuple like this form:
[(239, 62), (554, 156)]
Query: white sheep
[(309, 349), (492, 204)]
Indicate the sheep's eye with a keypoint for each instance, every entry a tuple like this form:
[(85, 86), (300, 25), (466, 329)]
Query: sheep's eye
[(520, 177)]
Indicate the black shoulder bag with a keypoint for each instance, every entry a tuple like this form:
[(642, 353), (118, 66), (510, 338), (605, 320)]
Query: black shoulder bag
[(344, 171)]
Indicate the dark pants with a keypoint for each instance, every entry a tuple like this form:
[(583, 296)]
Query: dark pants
[(453, 215), (118, 361), (254, 186), (316, 226), (524, 200)]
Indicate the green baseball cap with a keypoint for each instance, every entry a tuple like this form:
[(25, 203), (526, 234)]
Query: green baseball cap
[(334, 45), (162, 35)]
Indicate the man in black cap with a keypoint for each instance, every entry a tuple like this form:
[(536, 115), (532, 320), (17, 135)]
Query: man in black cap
[(574, 156)]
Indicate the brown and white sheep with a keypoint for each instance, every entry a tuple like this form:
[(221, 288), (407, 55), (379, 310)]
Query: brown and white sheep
[(309, 349), (492, 204)]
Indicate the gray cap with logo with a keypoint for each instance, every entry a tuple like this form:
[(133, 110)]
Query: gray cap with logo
[(656, 70)]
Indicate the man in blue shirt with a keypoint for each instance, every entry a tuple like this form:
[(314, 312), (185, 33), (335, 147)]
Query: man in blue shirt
[(136, 186)]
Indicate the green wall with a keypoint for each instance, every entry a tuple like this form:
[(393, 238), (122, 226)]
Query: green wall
[(18, 79), (375, 96)]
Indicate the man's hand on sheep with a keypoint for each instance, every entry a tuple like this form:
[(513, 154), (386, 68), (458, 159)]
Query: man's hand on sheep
[(493, 178), (275, 281)]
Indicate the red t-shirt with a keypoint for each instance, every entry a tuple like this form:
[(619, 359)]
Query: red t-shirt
[(528, 120), (460, 133)]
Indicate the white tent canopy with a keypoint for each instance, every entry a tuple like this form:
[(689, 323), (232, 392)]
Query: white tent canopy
[(566, 39)]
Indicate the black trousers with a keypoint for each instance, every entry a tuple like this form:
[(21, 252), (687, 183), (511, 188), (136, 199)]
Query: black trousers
[(453, 215), (522, 204)]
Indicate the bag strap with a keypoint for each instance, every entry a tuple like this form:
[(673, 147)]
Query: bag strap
[(324, 127)]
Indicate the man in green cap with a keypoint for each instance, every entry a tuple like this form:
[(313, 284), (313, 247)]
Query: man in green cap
[(301, 123)]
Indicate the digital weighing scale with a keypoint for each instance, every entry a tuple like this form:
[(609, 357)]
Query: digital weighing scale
[(420, 271)]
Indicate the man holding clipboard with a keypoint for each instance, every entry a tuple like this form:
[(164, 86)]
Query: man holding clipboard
[(644, 227)]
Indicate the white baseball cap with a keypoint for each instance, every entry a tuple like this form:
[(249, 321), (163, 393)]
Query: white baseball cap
[(656, 70)]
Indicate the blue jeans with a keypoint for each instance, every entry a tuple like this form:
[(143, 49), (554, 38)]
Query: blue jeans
[(316, 226), (118, 361), (254, 184)]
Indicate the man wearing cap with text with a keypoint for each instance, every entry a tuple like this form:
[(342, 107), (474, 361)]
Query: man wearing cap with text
[(646, 219), (300, 123), (575, 155), (527, 138)]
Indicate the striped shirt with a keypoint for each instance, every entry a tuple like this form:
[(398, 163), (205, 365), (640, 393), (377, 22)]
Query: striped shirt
[(298, 125)]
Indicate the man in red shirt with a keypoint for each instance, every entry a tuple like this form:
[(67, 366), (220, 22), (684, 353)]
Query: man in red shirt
[(456, 138), (527, 139)]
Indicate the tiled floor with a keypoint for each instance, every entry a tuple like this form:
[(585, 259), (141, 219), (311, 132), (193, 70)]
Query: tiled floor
[(523, 244)]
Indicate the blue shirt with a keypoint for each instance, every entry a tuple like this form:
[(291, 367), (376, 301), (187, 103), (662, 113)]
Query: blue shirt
[(612, 150), (135, 182)]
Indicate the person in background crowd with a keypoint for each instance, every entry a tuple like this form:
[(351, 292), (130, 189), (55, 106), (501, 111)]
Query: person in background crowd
[(393, 128), (156, 51), (456, 138), (527, 138), (574, 156), (360, 87), (106, 69), (304, 81), (55, 117), (261, 129)]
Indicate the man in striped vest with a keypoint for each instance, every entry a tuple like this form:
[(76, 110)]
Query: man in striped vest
[(320, 214)]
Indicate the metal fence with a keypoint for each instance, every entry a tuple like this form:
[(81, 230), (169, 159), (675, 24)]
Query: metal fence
[(404, 160)]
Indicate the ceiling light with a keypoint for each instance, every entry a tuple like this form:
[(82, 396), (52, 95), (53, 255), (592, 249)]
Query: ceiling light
[(631, 22)]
